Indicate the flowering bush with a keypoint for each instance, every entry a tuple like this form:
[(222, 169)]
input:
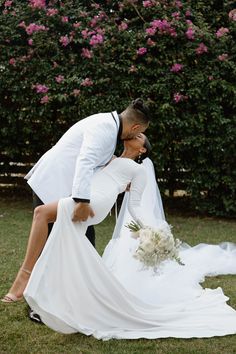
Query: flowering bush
[(61, 61)]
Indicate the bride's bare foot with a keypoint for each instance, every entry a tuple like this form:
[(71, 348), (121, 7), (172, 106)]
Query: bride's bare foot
[(16, 291)]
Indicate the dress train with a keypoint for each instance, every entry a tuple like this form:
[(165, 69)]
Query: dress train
[(73, 290)]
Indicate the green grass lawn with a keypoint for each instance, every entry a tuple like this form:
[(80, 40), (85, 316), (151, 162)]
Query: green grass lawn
[(19, 335)]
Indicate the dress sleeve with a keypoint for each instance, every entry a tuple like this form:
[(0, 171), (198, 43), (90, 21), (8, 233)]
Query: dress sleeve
[(95, 145), (138, 183)]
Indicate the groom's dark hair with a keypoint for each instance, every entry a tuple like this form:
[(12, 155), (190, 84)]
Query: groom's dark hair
[(138, 112)]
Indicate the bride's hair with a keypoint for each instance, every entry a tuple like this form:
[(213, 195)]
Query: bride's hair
[(148, 148), (138, 112)]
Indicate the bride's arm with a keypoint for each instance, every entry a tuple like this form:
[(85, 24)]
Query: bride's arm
[(136, 190)]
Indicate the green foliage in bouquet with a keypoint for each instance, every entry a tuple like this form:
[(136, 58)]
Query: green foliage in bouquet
[(134, 226)]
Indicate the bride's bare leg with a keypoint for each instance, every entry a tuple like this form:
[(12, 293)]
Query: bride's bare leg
[(43, 215)]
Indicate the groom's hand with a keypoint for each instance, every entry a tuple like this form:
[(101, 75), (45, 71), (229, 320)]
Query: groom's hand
[(82, 211)]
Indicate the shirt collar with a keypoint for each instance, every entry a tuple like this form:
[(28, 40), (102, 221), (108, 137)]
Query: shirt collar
[(119, 123), (120, 129)]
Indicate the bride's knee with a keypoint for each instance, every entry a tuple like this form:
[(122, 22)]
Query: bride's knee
[(40, 213)]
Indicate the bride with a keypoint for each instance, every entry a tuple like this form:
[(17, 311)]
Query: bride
[(73, 289)]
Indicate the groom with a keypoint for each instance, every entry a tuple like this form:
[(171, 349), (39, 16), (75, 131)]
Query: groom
[(67, 168)]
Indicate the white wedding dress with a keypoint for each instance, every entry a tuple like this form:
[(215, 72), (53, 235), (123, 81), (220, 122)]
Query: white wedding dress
[(73, 289)]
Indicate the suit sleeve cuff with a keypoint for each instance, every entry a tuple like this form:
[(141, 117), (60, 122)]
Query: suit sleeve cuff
[(81, 200)]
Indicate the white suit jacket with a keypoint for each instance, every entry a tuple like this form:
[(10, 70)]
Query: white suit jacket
[(67, 168)]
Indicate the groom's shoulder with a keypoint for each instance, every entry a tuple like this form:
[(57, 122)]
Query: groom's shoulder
[(100, 122), (99, 117)]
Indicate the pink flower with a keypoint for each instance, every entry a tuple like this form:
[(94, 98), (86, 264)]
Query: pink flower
[(123, 26), (190, 33), (223, 57), (188, 13), (164, 27), (176, 68), (59, 78), (189, 22), (172, 32), (148, 3), (76, 92), (85, 33), (221, 32), (12, 61), (178, 4), (161, 25), (65, 19), (178, 97), (38, 4), (30, 41), (133, 69), (33, 27), (8, 3), (210, 78), (44, 99), (64, 40), (150, 42), (77, 24), (94, 21), (96, 39), (102, 15), (22, 24), (202, 48), (87, 82), (41, 88), (52, 12), (176, 15), (151, 31), (142, 51), (232, 15), (100, 31), (72, 33), (86, 53)]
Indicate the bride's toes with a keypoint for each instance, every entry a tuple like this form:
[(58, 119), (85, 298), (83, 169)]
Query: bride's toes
[(18, 287), (10, 298)]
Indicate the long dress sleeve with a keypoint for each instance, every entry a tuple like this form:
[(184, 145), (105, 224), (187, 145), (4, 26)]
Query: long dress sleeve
[(136, 190)]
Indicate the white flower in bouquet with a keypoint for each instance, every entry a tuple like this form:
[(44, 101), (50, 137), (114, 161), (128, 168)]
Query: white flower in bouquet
[(156, 245), (147, 245)]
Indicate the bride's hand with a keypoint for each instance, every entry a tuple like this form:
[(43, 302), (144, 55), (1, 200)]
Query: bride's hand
[(82, 211)]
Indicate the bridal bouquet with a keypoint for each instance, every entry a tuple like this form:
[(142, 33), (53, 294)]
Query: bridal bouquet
[(155, 244)]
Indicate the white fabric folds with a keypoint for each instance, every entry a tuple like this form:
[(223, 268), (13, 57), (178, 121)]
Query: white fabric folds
[(73, 289)]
